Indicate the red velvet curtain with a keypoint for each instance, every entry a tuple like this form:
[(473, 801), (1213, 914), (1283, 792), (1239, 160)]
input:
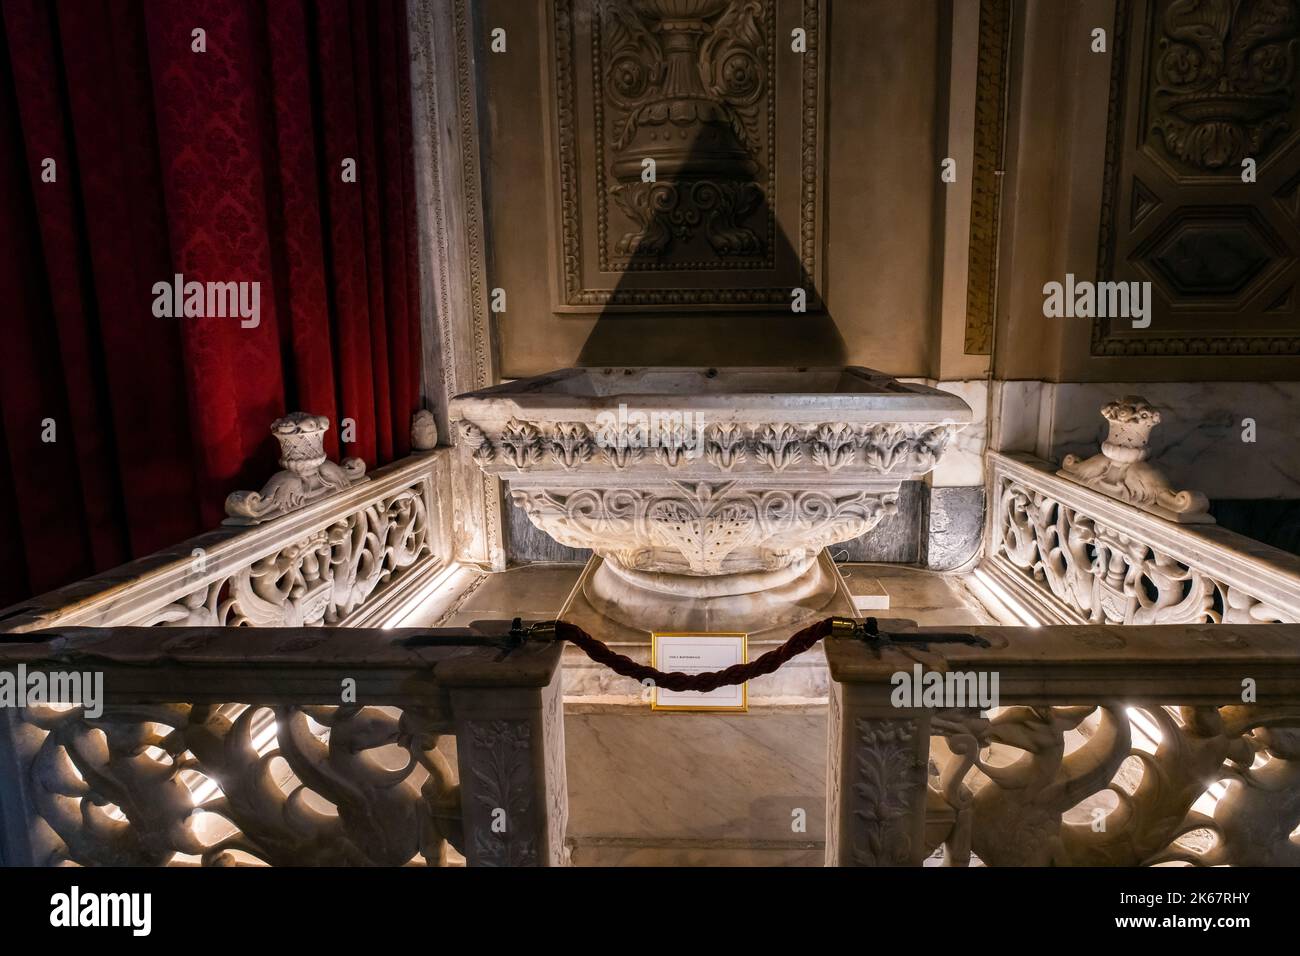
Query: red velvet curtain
[(224, 165)]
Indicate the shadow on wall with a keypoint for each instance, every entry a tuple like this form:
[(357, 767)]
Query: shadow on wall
[(689, 178)]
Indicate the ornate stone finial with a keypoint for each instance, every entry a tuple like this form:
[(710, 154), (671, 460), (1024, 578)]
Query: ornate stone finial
[(1121, 470), (307, 475), (424, 431)]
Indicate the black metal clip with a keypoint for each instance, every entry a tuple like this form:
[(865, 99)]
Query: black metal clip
[(539, 631), (868, 631)]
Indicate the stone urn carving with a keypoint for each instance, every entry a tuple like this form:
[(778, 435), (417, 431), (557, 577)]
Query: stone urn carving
[(688, 77), (307, 474), (1121, 470), (712, 491)]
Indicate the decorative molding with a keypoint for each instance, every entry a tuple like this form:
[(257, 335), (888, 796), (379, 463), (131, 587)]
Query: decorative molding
[(1177, 117), (703, 528), (306, 473), (445, 110), (750, 448), (704, 73), (1121, 470), (986, 176)]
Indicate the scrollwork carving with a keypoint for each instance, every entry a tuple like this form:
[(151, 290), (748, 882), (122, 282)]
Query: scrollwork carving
[(703, 528), (1223, 79), (319, 579), (133, 801), (1016, 806), (306, 476), (1105, 575)]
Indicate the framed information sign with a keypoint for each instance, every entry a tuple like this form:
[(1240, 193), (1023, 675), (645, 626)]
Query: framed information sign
[(696, 653)]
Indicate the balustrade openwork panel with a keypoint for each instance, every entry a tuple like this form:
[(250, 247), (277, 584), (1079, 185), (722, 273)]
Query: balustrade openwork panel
[(1077, 556), (338, 561), (331, 746), (213, 784), (1107, 746), (1113, 785)]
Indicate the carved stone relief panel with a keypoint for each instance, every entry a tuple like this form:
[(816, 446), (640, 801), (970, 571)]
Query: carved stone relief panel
[(1198, 89), (686, 148)]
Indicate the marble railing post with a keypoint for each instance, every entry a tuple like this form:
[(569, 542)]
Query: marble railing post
[(876, 764), (510, 749), (875, 804)]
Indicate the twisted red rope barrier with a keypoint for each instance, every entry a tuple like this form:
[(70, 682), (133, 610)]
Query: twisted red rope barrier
[(676, 680)]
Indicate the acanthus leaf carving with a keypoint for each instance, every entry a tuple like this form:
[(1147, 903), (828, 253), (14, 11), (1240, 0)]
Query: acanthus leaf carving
[(1223, 79), (886, 778)]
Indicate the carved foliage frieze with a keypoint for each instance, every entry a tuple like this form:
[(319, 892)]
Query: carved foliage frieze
[(827, 447)]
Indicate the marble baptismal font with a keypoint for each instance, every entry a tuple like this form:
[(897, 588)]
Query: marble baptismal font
[(708, 496)]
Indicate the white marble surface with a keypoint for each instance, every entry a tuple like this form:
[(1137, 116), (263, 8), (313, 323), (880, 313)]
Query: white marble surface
[(962, 464), (1198, 444), (760, 469), (1022, 415), (696, 789)]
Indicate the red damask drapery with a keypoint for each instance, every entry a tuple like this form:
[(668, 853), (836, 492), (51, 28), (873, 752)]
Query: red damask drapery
[(223, 164)]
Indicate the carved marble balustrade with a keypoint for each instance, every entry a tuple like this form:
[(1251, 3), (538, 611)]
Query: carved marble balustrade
[(1109, 746), (226, 746), (1073, 555), (348, 559)]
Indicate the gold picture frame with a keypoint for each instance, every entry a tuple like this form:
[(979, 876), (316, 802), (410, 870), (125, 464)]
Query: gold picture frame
[(712, 640)]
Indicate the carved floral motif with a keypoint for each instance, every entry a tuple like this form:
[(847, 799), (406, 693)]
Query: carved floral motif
[(501, 760), (696, 528), (886, 777), (1224, 73), (521, 445), (571, 444), (727, 447)]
